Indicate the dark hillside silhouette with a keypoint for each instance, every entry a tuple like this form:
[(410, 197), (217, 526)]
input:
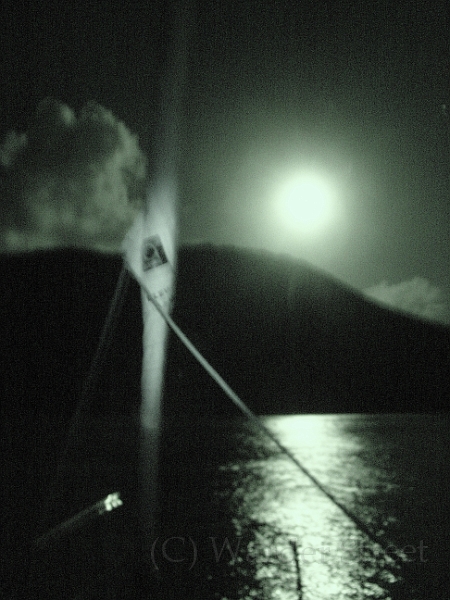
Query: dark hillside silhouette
[(287, 337)]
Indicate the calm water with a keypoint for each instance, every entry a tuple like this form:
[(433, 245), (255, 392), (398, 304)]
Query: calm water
[(251, 516), (240, 521)]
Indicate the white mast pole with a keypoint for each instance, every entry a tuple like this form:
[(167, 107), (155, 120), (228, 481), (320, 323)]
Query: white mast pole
[(150, 254)]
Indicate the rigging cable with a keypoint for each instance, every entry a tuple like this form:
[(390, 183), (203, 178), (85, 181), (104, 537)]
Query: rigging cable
[(389, 549), (103, 345)]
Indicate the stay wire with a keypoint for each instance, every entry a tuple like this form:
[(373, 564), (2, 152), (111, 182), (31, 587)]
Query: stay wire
[(388, 548), (104, 343)]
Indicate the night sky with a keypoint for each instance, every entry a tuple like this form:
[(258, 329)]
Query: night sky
[(357, 92)]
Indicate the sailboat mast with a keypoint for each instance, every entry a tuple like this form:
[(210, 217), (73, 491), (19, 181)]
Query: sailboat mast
[(150, 254)]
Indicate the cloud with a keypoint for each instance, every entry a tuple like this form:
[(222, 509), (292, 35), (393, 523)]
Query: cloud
[(416, 296), (70, 181), (12, 145)]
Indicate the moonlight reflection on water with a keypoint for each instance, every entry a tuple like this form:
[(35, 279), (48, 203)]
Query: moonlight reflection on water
[(288, 513)]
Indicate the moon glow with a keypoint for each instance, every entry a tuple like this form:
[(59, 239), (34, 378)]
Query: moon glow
[(305, 203)]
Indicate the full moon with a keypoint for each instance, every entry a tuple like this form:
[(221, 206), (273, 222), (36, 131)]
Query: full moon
[(305, 203)]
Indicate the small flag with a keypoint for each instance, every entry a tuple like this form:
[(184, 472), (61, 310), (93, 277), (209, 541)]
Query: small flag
[(149, 246)]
